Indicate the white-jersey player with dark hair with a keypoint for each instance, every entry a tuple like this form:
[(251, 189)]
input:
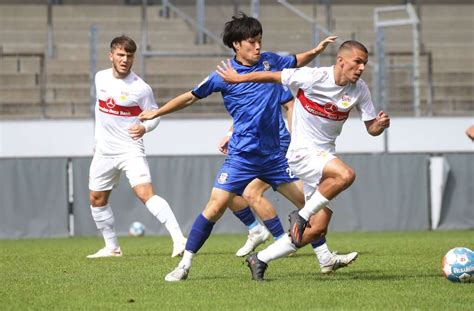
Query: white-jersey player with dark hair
[(121, 97), (324, 98)]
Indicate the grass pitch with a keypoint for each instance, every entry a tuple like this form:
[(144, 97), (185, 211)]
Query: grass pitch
[(394, 271)]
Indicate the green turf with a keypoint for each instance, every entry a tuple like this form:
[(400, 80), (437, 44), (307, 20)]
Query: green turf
[(395, 271)]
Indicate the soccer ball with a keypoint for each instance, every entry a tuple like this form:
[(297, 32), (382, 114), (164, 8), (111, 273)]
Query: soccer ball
[(136, 229), (458, 265)]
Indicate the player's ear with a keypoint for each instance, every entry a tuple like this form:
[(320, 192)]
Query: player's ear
[(111, 56), (236, 45)]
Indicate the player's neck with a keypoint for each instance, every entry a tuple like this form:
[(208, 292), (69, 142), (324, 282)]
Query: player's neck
[(339, 77), (242, 61), (118, 75)]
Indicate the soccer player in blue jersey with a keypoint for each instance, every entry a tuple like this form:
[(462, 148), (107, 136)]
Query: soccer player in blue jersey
[(254, 148)]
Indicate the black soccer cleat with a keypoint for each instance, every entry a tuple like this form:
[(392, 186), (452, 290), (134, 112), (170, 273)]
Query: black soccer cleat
[(256, 266), (297, 226)]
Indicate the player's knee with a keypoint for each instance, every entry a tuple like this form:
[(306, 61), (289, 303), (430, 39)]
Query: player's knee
[(97, 200), (251, 196), (347, 177)]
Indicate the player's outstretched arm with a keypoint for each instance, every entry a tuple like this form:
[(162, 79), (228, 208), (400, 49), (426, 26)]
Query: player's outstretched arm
[(376, 126), (229, 75), (304, 58), (179, 102)]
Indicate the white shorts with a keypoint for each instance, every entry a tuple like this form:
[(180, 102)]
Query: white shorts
[(104, 173), (308, 164)]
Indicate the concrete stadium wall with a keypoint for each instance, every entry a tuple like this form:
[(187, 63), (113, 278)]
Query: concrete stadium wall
[(391, 192)]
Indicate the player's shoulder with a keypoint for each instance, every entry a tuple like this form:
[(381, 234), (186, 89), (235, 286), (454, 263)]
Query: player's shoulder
[(361, 84), (138, 81), (103, 73)]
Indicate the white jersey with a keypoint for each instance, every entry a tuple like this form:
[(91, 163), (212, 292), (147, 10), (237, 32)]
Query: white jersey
[(322, 106), (119, 102)]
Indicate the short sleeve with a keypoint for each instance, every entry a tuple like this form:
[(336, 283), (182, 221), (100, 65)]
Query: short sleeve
[(210, 84), (148, 101), (365, 105)]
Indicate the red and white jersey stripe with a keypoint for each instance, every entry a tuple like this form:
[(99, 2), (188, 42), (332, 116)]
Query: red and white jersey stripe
[(322, 106), (119, 102)]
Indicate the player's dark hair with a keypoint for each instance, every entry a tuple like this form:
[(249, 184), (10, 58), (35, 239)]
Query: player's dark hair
[(352, 44), (241, 27), (125, 42)]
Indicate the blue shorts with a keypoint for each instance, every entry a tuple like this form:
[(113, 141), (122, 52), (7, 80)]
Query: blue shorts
[(240, 169)]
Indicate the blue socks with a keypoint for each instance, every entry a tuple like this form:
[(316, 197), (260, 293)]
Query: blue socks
[(274, 226), (200, 231), (319, 242), (247, 217)]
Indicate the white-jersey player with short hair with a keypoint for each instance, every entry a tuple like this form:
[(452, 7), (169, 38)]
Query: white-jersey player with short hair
[(324, 98), (121, 97)]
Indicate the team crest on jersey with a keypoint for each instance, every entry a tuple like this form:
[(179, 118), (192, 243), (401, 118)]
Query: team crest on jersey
[(110, 102), (222, 178), (346, 100), (266, 65)]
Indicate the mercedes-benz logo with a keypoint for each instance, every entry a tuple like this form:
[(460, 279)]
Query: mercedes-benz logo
[(110, 102)]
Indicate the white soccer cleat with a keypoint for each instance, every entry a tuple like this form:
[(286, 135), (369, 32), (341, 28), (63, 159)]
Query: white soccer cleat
[(105, 252), (178, 274), (338, 261), (254, 239), (178, 248)]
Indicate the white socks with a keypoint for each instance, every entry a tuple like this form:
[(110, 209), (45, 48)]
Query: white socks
[(162, 210), (104, 220), (313, 205), (277, 249), (186, 261), (323, 254)]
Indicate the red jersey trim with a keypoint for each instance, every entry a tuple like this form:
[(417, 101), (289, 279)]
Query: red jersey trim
[(110, 107), (328, 111)]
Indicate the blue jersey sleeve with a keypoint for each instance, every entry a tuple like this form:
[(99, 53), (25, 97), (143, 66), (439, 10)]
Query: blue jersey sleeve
[(286, 95), (212, 83), (281, 62)]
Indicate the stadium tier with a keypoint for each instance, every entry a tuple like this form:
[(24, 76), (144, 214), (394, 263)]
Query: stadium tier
[(34, 85)]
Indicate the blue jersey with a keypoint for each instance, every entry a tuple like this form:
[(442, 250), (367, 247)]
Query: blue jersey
[(254, 107)]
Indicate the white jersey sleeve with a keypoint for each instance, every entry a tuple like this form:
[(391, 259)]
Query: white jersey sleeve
[(365, 106), (148, 103)]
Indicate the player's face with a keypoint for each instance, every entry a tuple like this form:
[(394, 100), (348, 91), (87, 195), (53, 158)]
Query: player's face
[(248, 51), (122, 62), (353, 64)]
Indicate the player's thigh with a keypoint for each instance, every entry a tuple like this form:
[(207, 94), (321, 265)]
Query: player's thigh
[(217, 204), (103, 174), (255, 189), (137, 170), (293, 193), (336, 168)]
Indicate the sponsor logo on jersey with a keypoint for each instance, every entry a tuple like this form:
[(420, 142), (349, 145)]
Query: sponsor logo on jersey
[(110, 102), (222, 178), (108, 106), (266, 65), (328, 110)]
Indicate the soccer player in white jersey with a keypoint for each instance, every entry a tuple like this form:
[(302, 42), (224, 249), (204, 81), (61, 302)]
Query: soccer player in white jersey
[(121, 97), (324, 98)]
